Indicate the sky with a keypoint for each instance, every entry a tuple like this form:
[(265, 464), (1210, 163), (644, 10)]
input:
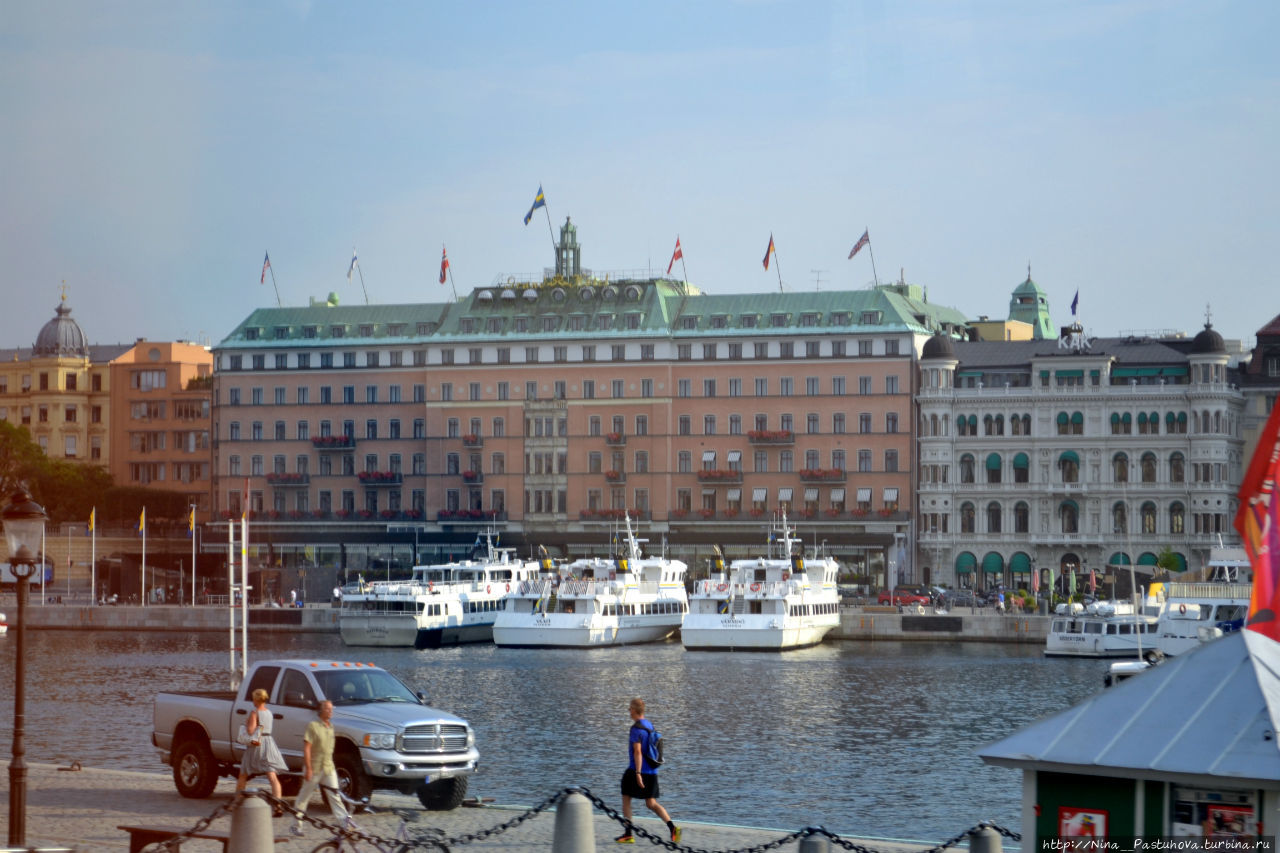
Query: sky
[(153, 152)]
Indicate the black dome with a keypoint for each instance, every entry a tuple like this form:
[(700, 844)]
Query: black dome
[(938, 346), (61, 336), (1208, 341)]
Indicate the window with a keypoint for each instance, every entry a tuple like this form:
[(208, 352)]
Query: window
[(1021, 518), (966, 518), (891, 385), (708, 387), (1177, 468), (993, 517), (864, 460), (1120, 468), (642, 424), (684, 425), (1119, 518), (708, 424), (837, 423), (684, 388), (891, 422), (785, 386), (1069, 515), (891, 460)]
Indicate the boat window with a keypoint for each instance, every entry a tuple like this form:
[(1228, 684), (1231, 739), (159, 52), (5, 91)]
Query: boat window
[(1111, 629), (1093, 628), (1230, 612)]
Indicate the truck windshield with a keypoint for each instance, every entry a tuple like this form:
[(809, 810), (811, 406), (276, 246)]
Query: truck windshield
[(354, 687)]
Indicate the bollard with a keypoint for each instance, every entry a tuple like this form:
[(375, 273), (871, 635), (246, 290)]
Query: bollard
[(574, 831), (815, 844), (251, 827), (984, 839)]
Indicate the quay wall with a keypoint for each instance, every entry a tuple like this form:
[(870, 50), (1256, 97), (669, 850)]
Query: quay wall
[(856, 623)]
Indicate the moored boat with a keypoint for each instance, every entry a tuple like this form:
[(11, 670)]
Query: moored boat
[(772, 603), (1195, 613), (597, 601), (1106, 629), (439, 605)]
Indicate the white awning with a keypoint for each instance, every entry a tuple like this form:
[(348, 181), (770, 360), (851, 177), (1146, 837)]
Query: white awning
[(733, 495), (784, 495), (708, 456), (837, 495), (864, 495), (890, 495), (810, 494), (734, 456), (759, 494), (706, 492)]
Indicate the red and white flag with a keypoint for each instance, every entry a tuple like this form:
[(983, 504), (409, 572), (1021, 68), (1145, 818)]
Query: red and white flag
[(266, 265), (677, 255), (444, 263), (862, 241)]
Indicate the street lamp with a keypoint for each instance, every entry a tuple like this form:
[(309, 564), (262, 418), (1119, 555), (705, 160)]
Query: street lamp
[(23, 530)]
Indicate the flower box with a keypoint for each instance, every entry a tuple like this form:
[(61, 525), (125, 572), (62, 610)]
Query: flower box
[(333, 442)]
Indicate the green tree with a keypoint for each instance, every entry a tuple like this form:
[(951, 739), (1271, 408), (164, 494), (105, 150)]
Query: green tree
[(1168, 561), (20, 459)]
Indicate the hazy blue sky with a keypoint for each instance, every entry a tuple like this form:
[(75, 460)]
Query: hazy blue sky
[(153, 150)]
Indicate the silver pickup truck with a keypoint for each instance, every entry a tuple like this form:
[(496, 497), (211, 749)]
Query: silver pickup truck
[(386, 736)]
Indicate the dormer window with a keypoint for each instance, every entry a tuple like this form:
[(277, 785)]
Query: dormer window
[(778, 321), (337, 331), (809, 318), (281, 332), (366, 330), (251, 334), (719, 321), (688, 322), (871, 318), (749, 321)]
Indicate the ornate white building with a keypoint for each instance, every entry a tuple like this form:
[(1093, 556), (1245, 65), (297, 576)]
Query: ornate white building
[(1074, 454)]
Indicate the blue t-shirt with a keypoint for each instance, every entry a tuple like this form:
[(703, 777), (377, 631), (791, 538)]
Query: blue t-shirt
[(641, 732)]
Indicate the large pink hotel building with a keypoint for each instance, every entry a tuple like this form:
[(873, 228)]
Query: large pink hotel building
[(375, 435)]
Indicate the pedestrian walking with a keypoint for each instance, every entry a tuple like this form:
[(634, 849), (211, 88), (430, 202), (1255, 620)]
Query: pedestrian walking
[(641, 776), (318, 769), (262, 757)]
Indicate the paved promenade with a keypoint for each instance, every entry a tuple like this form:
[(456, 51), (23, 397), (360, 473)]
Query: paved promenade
[(81, 809)]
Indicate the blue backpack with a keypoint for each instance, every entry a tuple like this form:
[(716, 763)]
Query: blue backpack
[(653, 743)]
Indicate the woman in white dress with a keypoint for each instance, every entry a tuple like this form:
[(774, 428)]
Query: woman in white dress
[(262, 756)]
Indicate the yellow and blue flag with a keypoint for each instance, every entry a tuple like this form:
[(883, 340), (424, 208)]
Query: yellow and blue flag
[(142, 522), (538, 201), (191, 522), (93, 513)]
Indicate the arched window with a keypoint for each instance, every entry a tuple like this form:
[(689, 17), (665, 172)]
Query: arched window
[(993, 468), (1021, 517), (1064, 423), (1177, 468), (1120, 468), (993, 517), (1217, 422), (1069, 464), (1021, 468), (933, 425), (962, 425), (1069, 514), (1026, 424), (1148, 467), (1148, 517), (999, 424), (988, 425), (1177, 518), (966, 518), (1119, 518), (1077, 423), (1015, 425), (966, 468)]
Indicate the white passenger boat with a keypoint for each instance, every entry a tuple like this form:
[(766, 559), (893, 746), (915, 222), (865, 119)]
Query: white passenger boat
[(439, 605), (597, 601), (772, 603), (1106, 629), (1195, 613)]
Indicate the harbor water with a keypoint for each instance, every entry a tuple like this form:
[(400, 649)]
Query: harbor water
[(868, 739)]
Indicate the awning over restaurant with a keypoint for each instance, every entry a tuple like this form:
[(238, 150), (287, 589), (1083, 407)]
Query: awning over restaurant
[(965, 563)]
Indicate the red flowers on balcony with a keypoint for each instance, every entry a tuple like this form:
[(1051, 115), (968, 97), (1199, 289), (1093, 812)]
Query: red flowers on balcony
[(470, 476), (472, 440), (612, 475), (287, 479), (374, 477), (713, 474), (615, 438), (822, 474), (330, 441), (770, 436)]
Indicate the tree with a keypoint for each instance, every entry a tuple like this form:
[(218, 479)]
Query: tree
[(67, 490), (20, 459), (1168, 560)]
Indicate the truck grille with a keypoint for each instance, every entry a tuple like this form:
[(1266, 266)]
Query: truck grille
[(435, 738)]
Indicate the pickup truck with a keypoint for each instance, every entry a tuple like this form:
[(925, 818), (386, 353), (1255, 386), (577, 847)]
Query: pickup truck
[(385, 735), (905, 595)]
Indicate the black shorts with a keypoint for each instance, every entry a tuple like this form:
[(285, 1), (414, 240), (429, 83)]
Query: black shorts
[(632, 788)]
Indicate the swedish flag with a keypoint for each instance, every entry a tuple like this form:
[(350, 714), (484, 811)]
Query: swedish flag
[(538, 201)]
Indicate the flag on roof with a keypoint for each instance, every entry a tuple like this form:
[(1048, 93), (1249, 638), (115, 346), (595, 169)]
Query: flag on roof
[(538, 201), (862, 241), (677, 255), (352, 267), (266, 265), (769, 251), (444, 263), (1075, 303)]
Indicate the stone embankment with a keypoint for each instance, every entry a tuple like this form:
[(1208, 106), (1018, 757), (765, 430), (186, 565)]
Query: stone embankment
[(868, 622)]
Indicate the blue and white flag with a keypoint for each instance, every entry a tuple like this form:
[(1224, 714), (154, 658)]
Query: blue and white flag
[(351, 268), (1075, 303)]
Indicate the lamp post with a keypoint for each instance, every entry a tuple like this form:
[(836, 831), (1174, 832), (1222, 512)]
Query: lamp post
[(23, 529)]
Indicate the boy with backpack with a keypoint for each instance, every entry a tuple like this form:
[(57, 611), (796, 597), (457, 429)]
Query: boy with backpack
[(641, 776)]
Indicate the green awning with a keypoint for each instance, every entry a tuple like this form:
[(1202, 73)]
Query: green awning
[(977, 373), (993, 462), (973, 422), (1170, 418), (993, 563), (1127, 418), (1153, 418), (1147, 559), (1142, 417), (1069, 456), (1118, 559), (1092, 373), (965, 563), (1021, 461), (1180, 562), (1044, 374), (961, 421), (1077, 417), (1064, 418), (1173, 371), (1069, 503), (1115, 417), (1182, 417), (1020, 563), (1071, 373)]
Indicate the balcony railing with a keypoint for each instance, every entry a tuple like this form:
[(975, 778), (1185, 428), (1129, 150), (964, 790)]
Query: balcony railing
[(615, 476), (720, 476), (470, 515), (771, 436), (380, 478), (333, 442), (615, 439), (472, 476), (822, 475), (472, 441), (612, 514)]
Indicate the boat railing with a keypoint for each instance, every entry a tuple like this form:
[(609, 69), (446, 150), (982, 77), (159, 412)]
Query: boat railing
[(1182, 589)]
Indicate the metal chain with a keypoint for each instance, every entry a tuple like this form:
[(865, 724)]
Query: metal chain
[(175, 843), (514, 822), (424, 838)]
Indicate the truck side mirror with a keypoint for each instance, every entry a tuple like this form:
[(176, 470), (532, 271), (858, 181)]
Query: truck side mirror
[(422, 698)]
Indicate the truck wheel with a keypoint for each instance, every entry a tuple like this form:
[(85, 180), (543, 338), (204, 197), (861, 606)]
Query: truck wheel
[(195, 774), (351, 778), (290, 784), (443, 795)]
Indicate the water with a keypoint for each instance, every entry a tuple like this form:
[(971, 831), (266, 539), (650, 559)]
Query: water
[(872, 739)]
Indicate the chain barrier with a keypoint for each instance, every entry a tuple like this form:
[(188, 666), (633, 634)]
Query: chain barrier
[(434, 839)]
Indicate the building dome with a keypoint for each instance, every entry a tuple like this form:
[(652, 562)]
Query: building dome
[(938, 346), (1208, 342), (62, 335)]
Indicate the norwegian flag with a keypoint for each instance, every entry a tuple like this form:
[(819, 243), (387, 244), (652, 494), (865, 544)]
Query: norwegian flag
[(444, 263), (266, 265), (862, 241), (677, 255)]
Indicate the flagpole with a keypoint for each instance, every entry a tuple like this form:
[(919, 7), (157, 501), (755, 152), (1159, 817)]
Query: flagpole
[(193, 556), (93, 558), (555, 249), (778, 266), (360, 270), (144, 557), (872, 252), (450, 269), (683, 268), (279, 304), (231, 601)]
